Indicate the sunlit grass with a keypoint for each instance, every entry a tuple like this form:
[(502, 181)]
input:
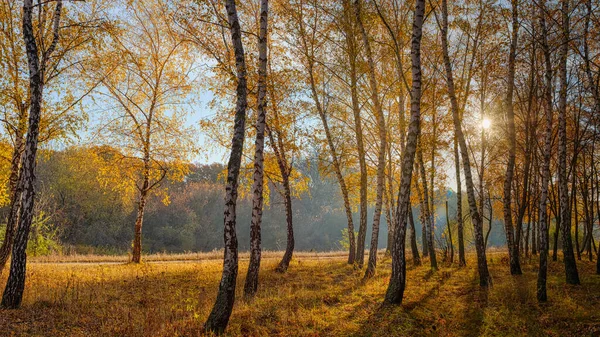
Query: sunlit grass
[(317, 297), (160, 257)]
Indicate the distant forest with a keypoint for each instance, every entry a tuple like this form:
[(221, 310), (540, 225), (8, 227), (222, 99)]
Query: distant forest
[(77, 212)]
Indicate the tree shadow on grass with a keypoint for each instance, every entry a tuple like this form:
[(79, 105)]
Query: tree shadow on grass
[(420, 316), (472, 321)]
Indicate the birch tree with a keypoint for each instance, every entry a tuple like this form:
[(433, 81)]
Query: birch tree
[(221, 311), (148, 77), (378, 111), (13, 292), (60, 116), (484, 276), (572, 276), (397, 284), (251, 284), (511, 241)]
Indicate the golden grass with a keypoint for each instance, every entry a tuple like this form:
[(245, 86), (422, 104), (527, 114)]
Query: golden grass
[(178, 257), (323, 297)]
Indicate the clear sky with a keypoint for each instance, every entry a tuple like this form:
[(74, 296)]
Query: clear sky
[(201, 110)]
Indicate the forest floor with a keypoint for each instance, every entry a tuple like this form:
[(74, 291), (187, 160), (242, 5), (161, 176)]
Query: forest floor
[(316, 297)]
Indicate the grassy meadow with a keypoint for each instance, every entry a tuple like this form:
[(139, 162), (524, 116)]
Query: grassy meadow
[(319, 296)]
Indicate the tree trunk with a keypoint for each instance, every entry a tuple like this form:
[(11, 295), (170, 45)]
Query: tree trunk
[(219, 316), (431, 192), (360, 249), (422, 210), (594, 89), (395, 290), (535, 211), (591, 204), (251, 285), (484, 276), (465, 99), (528, 232), (449, 234), (543, 215), (428, 216), (388, 219), (388, 194), (530, 131), (351, 50), (413, 240), (285, 170), (459, 216), (482, 174), (424, 236), (413, 233), (535, 235), (592, 84), (378, 111), (557, 226), (576, 211), (527, 236), (397, 46), (15, 194), (136, 255), (511, 241), (487, 234), (555, 208), (597, 182), (13, 293), (422, 216), (572, 276), (289, 249)]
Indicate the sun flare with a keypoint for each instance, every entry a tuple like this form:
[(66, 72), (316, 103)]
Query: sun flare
[(486, 123)]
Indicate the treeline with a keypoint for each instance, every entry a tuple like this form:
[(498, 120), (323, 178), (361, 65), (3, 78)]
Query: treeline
[(79, 211)]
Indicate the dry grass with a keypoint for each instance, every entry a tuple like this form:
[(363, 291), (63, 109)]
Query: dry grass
[(323, 297), (180, 257)]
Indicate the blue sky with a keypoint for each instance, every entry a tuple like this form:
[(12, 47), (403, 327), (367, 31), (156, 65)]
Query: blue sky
[(200, 111)]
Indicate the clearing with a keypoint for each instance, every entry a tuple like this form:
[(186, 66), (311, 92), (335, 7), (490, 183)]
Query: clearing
[(319, 296)]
